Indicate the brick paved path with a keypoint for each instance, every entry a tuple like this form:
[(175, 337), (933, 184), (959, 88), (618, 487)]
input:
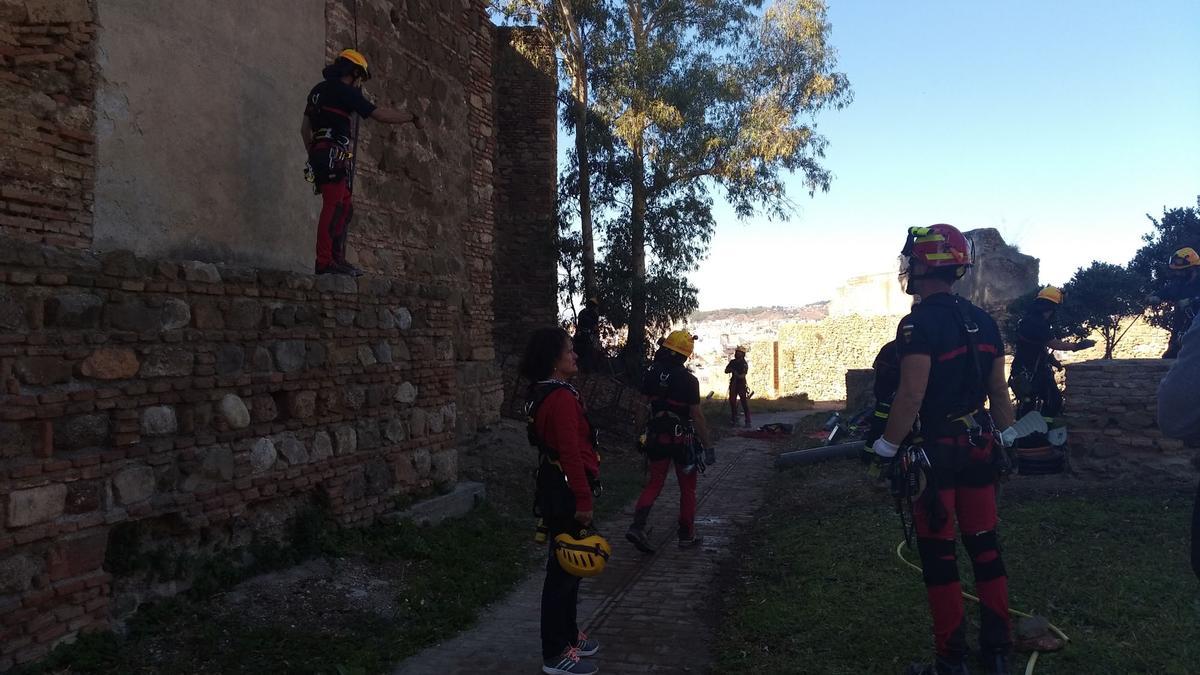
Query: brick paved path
[(651, 614)]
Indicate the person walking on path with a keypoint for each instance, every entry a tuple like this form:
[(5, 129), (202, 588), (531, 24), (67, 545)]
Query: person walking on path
[(328, 139), (738, 389), (587, 336), (671, 395), (1032, 379), (1184, 292), (567, 481), (1178, 414), (951, 361)]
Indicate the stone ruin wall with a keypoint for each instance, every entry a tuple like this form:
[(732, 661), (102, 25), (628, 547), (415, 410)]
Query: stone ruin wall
[(186, 406)]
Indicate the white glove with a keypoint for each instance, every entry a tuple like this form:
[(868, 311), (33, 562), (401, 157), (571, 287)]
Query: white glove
[(884, 448)]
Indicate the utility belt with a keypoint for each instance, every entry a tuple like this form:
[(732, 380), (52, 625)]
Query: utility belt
[(551, 464), (668, 433), (326, 136)]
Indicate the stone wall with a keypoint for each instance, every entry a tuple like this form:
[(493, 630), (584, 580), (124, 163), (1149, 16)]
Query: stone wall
[(140, 390), (1110, 410), (814, 357), (197, 407), (47, 85), (526, 287)]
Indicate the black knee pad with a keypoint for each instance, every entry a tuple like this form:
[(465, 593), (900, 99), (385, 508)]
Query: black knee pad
[(980, 544), (938, 561)]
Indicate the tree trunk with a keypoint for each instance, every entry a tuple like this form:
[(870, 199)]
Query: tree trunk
[(580, 87), (636, 341)]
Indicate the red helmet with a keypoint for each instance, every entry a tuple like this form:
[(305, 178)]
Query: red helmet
[(938, 245)]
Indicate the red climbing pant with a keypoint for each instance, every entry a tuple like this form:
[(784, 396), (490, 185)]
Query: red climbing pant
[(331, 227), (687, 493)]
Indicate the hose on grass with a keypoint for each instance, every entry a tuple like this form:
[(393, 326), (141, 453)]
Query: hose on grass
[(1034, 657)]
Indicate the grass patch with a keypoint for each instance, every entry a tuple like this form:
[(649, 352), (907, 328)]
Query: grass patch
[(716, 409), (821, 590), (441, 577)]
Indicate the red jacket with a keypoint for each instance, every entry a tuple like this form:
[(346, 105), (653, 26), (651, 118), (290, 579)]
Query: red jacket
[(561, 425)]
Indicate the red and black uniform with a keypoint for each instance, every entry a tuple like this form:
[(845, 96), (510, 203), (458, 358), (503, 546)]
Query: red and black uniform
[(887, 381), (672, 391), (738, 388), (331, 105), (568, 468), (962, 475), (1032, 379), (1185, 294)]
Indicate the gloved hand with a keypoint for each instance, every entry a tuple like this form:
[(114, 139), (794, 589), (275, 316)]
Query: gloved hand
[(710, 455), (1084, 344), (641, 444), (309, 176), (884, 460)]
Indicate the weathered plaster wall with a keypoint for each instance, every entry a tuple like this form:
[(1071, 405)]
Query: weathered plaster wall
[(198, 113)]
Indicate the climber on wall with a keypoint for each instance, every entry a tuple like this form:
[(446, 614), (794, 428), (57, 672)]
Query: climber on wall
[(328, 138)]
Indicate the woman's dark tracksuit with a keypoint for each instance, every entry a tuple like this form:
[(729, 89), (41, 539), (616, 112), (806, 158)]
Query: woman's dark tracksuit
[(561, 424)]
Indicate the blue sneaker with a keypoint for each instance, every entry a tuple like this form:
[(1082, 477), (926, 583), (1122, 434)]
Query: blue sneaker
[(586, 647), (568, 663)]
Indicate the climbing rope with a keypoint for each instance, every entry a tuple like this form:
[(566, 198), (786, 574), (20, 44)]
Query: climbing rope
[(1033, 658)]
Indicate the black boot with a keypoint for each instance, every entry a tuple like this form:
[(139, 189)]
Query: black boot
[(339, 258), (995, 663), (637, 534)]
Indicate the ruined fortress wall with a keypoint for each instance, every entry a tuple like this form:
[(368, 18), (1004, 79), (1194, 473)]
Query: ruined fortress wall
[(198, 145), (526, 161), (814, 357), (179, 408)]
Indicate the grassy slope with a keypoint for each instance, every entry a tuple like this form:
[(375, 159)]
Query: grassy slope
[(822, 592)]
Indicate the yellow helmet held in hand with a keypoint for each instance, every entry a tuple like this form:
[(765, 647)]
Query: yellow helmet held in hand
[(1184, 258), (1051, 293), (354, 56), (582, 556), (681, 342)]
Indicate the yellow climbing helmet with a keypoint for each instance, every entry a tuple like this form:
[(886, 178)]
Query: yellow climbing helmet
[(354, 56), (1051, 293), (741, 348), (1184, 258), (582, 556), (681, 342)]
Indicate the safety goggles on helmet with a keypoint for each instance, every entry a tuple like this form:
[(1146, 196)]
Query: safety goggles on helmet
[(1184, 258), (939, 245), (582, 556)]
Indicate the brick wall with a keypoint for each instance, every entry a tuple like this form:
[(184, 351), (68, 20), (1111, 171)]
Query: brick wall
[(139, 389), (197, 407), (47, 86), (526, 273)]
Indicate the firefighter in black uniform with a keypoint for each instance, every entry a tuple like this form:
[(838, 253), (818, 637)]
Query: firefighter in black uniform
[(1032, 379), (951, 361), (1184, 292)]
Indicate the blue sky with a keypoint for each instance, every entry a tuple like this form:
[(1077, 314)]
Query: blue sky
[(1060, 123)]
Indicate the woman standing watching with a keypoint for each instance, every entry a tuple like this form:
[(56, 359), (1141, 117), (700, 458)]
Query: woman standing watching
[(568, 466)]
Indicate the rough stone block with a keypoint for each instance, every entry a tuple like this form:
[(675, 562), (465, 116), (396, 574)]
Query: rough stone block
[(81, 431), (354, 397), (263, 408), (404, 318), (229, 359), (168, 362), (293, 450), (59, 11), (317, 355), (76, 555), (244, 314), (133, 484), (159, 420), (369, 436), (207, 316), (395, 432), (134, 316), (436, 421), (383, 352), (218, 463), (417, 424), (36, 505), (12, 314), (261, 360), (336, 283), (263, 455), (365, 356), (110, 363), (234, 411), (422, 462), (83, 497), (322, 446), (290, 355), (17, 573), (43, 371), (379, 477), (202, 272), (73, 310), (458, 502), (345, 439), (176, 314), (302, 404), (444, 466), (406, 393)]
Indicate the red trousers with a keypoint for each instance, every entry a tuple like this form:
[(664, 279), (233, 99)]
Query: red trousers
[(331, 227), (975, 509), (687, 493)]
